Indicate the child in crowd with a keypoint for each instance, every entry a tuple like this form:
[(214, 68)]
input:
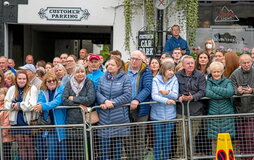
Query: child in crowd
[(9, 79), (4, 121)]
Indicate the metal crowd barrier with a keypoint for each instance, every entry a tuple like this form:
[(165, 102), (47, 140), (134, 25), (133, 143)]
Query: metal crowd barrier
[(140, 140), (240, 127), (41, 142)]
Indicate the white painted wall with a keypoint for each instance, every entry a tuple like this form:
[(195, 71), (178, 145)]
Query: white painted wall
[(102, 13)]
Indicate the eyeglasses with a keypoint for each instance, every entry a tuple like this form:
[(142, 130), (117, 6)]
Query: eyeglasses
[(190, 63), (135, 59), (50, 81)]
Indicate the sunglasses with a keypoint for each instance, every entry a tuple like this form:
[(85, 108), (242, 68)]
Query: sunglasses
[(50, 81)]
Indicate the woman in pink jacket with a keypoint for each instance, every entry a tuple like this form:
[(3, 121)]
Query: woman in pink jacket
[(4, 121)]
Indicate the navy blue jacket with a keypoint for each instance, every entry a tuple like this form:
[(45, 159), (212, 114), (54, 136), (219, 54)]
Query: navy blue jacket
[(118, 90), (144, 88), (173, 43)]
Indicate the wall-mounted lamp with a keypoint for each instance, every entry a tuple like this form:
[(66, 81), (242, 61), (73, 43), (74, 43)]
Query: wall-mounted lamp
[(6, 3)]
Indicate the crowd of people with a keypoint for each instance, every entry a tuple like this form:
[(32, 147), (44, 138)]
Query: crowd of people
[(33, 91)]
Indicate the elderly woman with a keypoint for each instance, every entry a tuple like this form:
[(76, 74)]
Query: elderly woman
[(61, 73), (79, 90), (21, 98), (165, 92), (114, 89), (219, 89), (49, 98)]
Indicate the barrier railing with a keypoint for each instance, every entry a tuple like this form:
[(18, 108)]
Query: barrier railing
[(239, 125), (134, 143), (45, 141)]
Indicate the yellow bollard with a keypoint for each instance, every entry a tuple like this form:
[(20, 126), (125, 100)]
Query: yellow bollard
[(224, 150)]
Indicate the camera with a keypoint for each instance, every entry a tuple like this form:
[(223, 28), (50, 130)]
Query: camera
[(6, 3)]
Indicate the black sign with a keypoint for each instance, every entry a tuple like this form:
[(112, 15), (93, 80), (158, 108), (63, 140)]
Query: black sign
[(146, 42)]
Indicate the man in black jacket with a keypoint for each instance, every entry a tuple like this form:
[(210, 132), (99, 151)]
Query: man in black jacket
[(192, 84)]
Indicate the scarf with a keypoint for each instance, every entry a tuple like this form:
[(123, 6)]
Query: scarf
[(75, 86)]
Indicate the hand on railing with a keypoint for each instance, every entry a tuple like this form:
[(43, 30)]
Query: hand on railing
[(134, 104)]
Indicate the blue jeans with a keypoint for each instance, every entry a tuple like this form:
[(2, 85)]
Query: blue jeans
[(41, 147), (162, 136), (56, 149), (105, 149)]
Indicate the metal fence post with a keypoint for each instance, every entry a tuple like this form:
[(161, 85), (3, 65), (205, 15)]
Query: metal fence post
[(84, 134), (190, 130), (184, 132), (1, 143)]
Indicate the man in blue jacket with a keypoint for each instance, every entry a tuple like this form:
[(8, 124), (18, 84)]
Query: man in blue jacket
[(141, 83), (94, 69), (176, 41)]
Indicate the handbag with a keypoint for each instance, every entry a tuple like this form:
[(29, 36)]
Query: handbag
[(94, 117), (41, 120)]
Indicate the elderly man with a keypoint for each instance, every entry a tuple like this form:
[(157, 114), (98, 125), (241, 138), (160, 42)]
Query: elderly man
[(4, 65), (31, 73), (29, 59), (192, 85), (11, 63), (94, 63), (176, 41), (243, 83), (141, 83)]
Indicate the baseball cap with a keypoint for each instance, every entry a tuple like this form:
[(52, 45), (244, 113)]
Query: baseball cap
[(94, 56), (28, 67)]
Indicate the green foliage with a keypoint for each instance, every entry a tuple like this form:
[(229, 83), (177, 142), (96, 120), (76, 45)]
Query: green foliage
[(187, 13), (105, 52), (191, 13), (149, 9), (128, 18)]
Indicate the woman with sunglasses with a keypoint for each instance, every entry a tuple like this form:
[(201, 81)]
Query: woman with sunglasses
[(49, 98)]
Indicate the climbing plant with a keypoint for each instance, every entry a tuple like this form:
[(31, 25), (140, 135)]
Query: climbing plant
[(128, 18), (187, 13)]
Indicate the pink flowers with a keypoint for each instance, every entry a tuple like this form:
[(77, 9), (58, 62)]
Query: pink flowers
[(246, 49), (221, 47), (229, 50)]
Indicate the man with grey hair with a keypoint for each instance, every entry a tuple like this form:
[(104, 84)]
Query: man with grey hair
[(4, 65), (192, 85), (31, 73), (243, 83), (141, 83), (11, 63)]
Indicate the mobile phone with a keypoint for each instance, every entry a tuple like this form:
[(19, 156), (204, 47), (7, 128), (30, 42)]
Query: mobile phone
[(186, 93), (245, 85)]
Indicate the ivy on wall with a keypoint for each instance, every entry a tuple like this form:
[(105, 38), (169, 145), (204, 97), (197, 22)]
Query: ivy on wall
[(187, 13)]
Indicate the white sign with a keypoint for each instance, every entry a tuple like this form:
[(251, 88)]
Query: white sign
[(161, 4), (63, 14)]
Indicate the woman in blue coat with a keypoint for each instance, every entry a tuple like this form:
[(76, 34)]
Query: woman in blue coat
[(219, 89), (114, 89), (49, 98), (165, 92)]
